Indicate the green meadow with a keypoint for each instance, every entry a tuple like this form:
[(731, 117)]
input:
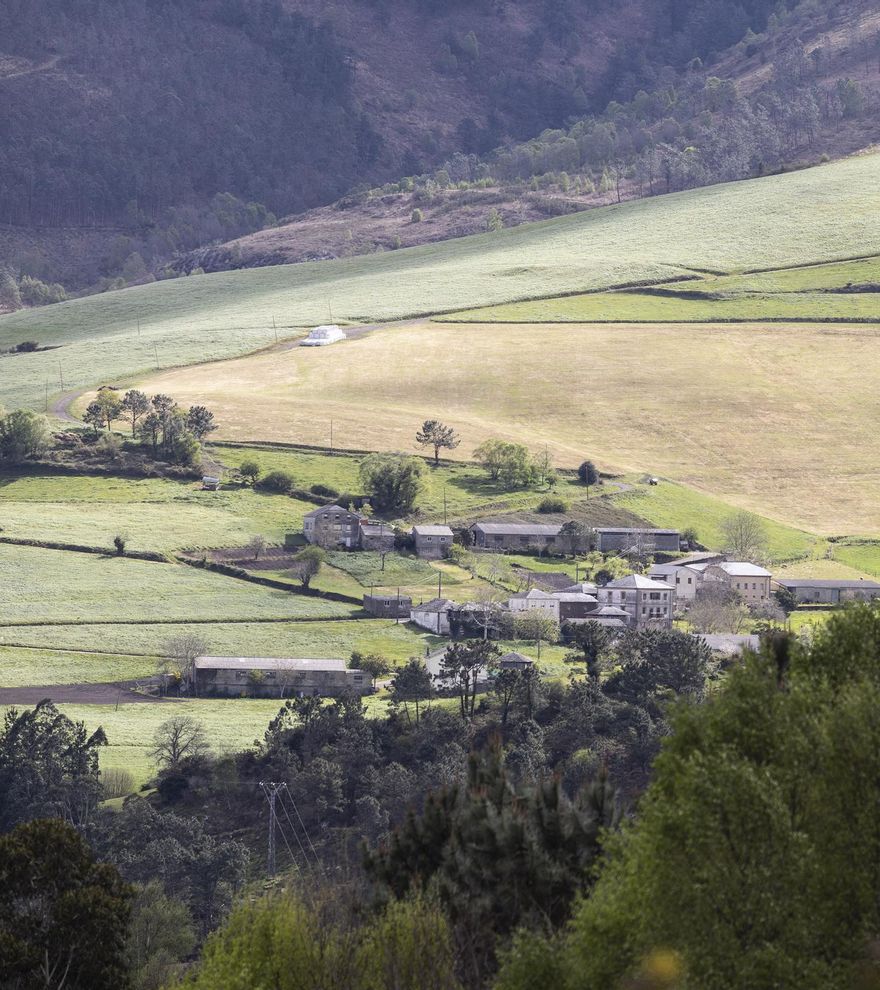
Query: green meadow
[(110, 338)]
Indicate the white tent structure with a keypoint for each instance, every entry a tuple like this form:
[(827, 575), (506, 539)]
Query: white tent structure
[(323, 335)]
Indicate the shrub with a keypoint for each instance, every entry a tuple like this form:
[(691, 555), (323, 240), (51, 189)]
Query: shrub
[(553, 503), (26, 346), (250, 471), (277, 481), (417, 215), (119, 544), (117, 782), (37, 293), (325, 491)]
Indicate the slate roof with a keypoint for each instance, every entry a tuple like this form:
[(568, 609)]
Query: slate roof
[(434, 605), (573, 596), (636, 531), (741, 568), (583, 588), (431, 531), (266, 663), (640, 583)]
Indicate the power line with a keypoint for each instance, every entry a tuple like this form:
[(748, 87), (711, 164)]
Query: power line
[(292, 827), (303, 825)]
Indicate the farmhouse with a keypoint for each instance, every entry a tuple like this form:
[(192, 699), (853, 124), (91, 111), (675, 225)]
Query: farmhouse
[(575, 605), (274, 677), (514, 536), (684, 579), (535, 600), (830, 592), (647, 603), (433, 615), (749, 581), (323, 335), (331, 526), (388, 606), (629, 540), (609, 616), (432, 542)]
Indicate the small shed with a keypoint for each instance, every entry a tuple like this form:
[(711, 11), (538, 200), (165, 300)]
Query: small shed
[(515, 661), (210, 483), (388, 606)]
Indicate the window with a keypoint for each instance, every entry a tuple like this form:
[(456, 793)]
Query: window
[(429, 539), (654, 596), (644, 610), (689, 580)]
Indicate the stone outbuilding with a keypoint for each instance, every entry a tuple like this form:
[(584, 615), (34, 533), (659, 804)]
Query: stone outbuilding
[(432, 542)]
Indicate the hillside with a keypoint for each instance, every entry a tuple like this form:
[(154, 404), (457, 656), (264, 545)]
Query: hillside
[(792, 78), (131, 137)]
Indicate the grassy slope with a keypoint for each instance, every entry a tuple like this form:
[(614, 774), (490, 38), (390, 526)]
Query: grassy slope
[(761, 223), (53, 586), (754, 414)]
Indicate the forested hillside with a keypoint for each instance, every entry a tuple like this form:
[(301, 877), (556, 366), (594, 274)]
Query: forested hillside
[(120, 125)]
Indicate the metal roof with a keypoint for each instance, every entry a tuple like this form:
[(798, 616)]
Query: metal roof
[(741, 568), (518, 529), (636, 531), (573, 596), (266, 663)]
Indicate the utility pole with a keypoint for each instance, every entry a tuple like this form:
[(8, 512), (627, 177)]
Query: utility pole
[(331, 436), (47, 395), (275, 329), (439, 584), (156, 352), (445, 522), (271, 789), (61, 373)]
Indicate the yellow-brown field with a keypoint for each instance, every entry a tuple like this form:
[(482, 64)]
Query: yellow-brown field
[(780, 419)]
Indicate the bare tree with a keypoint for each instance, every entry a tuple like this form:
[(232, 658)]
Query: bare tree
[(717, 609), (180, 738), (745, 536), (179, 657), (256, 545)]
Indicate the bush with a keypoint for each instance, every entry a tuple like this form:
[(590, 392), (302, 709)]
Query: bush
[(250, 471), (119, 544), (417, 215), (26, 346), (325, 491), (277, 481), (553, 503), (37, 293), (117, 782)]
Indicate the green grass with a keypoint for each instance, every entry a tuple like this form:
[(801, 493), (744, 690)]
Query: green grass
[(760, 223), (462, 489), (397, 642), (154, 514), (643, 307), (669, 505), (20, 667), (863, 555), (53, 586)]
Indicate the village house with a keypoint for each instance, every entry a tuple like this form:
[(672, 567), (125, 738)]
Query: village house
[(275, 677), (514, 536), (388, 606), (433, 615), (830, 592), (332, 527), (432, 542), (575, 606), (535, 600), (628, 540), (750, 582), (683, 578), (608, 616), (581, 588), (647, 603)]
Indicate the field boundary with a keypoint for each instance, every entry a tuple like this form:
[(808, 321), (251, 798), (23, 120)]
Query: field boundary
[(151, 556)]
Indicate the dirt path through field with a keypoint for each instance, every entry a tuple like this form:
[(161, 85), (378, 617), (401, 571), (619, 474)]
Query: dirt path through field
[(79, 694)]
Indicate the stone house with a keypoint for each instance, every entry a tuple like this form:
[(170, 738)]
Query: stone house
[(375, 536), (332, 527), (575, 605), (514, 536), (646, 602), (275, 677), (684, 579), (432, 542), (534, 600)]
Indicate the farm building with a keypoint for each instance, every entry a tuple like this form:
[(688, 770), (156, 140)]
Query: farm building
[(433, 615), (276, 677), (323, 335), (375, 536), (830, 592), (388, 606), (514, 536), (581, 588), (631, 540), (684, 578), (432, 542), (332, 526), (574, 605), (647, 603)]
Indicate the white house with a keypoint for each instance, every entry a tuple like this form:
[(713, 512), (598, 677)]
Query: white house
[(684, 578), (433, 615), (535, 600), (749, 581), (647, 603), (323, 335)]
